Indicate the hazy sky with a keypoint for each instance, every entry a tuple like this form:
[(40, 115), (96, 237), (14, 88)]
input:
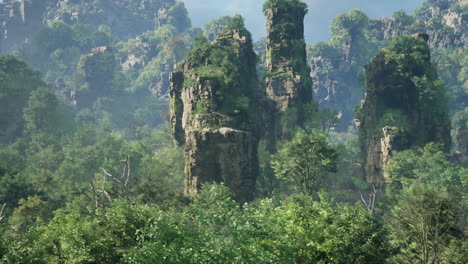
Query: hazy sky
[(321, 12)]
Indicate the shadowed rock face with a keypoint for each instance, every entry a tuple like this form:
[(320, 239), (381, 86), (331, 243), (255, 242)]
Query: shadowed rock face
[(288, 84), (397, 114), (18, 21), (220, 137)]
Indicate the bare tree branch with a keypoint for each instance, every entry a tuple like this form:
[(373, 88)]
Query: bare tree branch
[(1, 212), (370, 205)]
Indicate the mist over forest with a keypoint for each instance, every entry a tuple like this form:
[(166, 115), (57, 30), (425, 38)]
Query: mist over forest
[(317, 21), (243, 131)]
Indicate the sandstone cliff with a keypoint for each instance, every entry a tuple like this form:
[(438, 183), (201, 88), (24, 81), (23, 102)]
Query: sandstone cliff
[(335, 77), (18, 21), (213, 112), (287, 82), (405, 104)]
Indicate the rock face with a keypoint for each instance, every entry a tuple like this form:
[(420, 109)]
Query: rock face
[(335, 83), (451, 31), (125, 18), (287, 83), (161, 87), (19, 20), (213, 112), (397, 113)]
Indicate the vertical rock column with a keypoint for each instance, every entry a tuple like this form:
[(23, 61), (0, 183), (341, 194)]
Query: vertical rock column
[(405, 104), (213, 112), (288, 84)]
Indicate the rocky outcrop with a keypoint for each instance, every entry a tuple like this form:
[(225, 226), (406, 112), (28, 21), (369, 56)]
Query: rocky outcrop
[(287, 83), (18, 21), (125, 18), (451, 29), (397, 114), (335, 86), (161, 86), (213, 112)]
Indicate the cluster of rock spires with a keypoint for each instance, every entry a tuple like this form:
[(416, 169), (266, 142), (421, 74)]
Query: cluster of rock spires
[(21, 19), (396, 114), (222, 145), (220, 142), (335, 80)]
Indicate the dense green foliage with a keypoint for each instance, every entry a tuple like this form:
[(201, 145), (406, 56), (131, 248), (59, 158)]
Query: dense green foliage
[(304, 160), (411, 68), (284, 4), (103, 183), (234, 85), (215, 26), (427, 214)]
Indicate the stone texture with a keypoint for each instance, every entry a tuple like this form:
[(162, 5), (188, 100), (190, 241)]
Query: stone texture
[(387, 29), (287, 90), (287, 83), (389, 92), (335, 83), (220, 146), (19, 20)]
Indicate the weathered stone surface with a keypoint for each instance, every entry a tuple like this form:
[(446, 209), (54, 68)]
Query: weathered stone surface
[(379, 150), (388, 29), (287, 83), (335, 86), (394, 115), (18, 21), (220, 143), (161, 86), (221, 155)]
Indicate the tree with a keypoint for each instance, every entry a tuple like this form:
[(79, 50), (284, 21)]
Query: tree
[(284, 4), (304, 160), (17, 81), (215, 26), (178, 17), (424, 224), (428, 165), (45, 114)]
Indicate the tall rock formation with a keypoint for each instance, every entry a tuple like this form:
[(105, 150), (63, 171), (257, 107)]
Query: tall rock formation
[(446, 23), (213, 112), (18, 21), (405, 105), (288, 84)]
